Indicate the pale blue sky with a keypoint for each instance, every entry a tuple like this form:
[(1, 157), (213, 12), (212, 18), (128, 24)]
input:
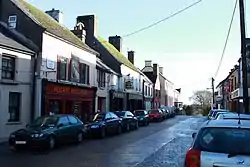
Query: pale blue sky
[(188, 46)]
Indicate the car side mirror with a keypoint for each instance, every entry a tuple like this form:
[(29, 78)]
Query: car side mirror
[(193, 135)]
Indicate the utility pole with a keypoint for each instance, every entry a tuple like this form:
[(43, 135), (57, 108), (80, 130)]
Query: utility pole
[(213, 90), (243, 56)]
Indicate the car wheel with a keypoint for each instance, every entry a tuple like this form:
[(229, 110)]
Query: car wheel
[(103, 133), (79, 137), (119, 129), (52, 142), (14, 149)]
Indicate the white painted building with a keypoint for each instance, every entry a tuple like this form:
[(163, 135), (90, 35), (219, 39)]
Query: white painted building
[(15, 84)]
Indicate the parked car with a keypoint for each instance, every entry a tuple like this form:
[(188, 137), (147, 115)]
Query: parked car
[(219, 113), (105, 123), (142, 116), (212, 113), (129, 121), (48, 132), (220, 143), (155, 115), (233, 116), (165, 113)]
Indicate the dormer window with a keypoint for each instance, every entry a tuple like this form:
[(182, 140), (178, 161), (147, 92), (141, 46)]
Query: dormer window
[(12, 21)]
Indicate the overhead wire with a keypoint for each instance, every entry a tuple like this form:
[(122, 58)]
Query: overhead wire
[(228, 34), (162, 20)]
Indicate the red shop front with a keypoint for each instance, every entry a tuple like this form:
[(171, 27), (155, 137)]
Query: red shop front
[(68, 99)]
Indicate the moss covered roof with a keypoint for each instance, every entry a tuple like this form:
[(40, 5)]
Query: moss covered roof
[(118, 55), (52, 25)]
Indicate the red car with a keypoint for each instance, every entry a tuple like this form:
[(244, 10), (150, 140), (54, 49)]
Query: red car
[(155, 115)]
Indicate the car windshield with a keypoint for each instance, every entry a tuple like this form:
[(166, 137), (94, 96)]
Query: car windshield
[(139, 113), (219, 113), (45, 121), (99, 117), (120, 114), (153, 111), (218, 139)]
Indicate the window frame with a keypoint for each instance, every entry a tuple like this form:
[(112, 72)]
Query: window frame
[(86, 73), (60, 59), (18, 107), (12, 23), (101, 78), (13, 70)]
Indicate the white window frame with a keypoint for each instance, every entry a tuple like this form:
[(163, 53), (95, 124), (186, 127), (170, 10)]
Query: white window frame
[(12, 23)]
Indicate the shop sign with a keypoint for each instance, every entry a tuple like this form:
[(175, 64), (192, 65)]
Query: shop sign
[(235, 94), (68, 90), (118, 95), (135, 96), (129, 84)]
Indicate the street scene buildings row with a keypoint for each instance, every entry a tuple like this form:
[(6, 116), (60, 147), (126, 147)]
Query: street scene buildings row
[(47, 68), (229, 94)]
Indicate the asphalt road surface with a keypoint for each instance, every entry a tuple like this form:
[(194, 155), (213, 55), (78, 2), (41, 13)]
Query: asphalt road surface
[(158, 145)]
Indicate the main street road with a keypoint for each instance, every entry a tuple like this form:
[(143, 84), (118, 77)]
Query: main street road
[(159, 144)]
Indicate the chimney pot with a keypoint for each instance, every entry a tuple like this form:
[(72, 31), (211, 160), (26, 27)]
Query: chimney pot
[(148, 63), (131, 55), (161, 70)]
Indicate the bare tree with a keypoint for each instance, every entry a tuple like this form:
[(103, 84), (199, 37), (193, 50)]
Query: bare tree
[(202, 98)]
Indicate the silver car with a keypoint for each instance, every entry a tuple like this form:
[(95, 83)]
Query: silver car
[(220, 143), (233, 116)]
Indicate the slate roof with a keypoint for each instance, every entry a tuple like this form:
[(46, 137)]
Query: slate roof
[(116, 54), (7, 41), (49, 24)]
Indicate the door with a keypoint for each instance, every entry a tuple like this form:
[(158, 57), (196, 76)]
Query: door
[(108, 123), (114, 121), (63, 130), (74, 127)]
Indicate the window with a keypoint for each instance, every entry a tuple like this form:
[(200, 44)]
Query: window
[(64, 121), (12, 21), (101, 78), (14, 106), (72, 120), (62, 68), (75, 70), (8, 67), (84, 73)]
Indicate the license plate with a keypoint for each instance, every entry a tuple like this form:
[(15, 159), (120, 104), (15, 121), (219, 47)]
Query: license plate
[(94, 126), (20, 142)]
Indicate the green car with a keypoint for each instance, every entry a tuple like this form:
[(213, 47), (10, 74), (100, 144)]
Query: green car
[(142, 116), (48, 131)]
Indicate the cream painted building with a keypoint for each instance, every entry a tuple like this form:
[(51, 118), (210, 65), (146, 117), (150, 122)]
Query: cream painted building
[(15, 84)]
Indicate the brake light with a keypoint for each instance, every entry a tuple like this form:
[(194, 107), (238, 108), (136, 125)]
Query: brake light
[(193, 158)]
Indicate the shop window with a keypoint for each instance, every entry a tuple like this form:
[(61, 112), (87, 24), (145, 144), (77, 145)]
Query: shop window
[(62, 68), (14, 106), (75, 70), (84, 77), (101, 78), (8, 67), (148, 93)]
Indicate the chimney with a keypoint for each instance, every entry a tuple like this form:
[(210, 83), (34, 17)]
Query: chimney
[(56, 14), (79, 31), (161, 70), (155, 69), (148, 63), (116, 41), (131, 56), (90, 26)]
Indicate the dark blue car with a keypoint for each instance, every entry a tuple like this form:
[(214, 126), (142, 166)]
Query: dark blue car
[(105, 123)]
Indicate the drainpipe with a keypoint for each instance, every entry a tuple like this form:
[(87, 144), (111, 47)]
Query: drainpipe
[(33, 91)]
